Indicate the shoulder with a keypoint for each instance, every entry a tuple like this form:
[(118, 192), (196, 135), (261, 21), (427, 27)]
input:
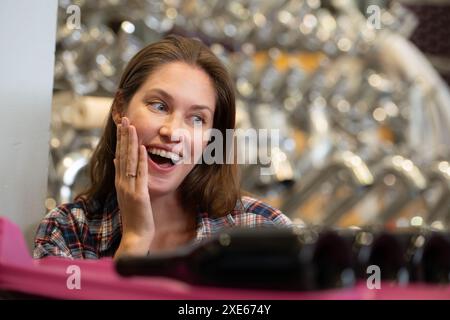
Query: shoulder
[(67, 217), (249, 212), (60, 231), (254, 212)]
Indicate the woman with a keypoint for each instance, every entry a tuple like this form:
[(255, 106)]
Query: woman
[(145, 197)]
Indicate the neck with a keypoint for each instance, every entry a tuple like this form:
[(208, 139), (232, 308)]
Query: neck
[(170, 214)]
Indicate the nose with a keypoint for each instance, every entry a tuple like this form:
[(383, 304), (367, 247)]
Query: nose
[(169, 127)]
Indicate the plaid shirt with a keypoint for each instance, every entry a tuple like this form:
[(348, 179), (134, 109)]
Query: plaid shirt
[(67, 231)]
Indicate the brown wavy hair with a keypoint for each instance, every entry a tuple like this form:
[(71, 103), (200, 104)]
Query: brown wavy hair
[(214, 188)]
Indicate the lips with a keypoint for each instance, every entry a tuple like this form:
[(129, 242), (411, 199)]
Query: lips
[(162, 158), (161, 155), (161, 168), (166, 148)]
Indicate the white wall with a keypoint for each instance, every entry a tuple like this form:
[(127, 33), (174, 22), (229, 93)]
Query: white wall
[(27, 46)]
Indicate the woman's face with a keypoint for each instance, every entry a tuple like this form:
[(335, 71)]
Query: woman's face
[(174, 100)]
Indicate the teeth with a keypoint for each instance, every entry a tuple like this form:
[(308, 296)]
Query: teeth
[(166, 154)]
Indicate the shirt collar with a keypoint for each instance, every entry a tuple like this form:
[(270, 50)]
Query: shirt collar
[(204, 221)]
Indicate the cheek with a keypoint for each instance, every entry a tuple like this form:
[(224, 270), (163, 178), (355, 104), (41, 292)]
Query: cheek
[(144, 131), (142, 121), (197, 146), (190, 143), (187, 168)]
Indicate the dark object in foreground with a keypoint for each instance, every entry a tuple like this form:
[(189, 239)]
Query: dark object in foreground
[(267, 258)]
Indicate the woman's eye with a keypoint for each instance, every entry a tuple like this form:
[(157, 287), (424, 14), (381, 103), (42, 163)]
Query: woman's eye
[(198, 119), (159, 106)]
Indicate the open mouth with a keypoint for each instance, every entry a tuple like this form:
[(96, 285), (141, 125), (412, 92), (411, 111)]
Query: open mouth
[(162, 158)]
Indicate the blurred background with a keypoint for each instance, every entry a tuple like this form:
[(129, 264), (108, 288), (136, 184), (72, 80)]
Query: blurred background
[(358, 89)]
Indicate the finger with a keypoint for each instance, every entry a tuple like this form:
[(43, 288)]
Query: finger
[(142, 169), (132, 160), (123, 147), (116, 169), (117, 155)]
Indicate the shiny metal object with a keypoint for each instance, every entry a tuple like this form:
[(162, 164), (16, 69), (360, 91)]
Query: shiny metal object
[(358, 177), (439, 203), (360, 99)]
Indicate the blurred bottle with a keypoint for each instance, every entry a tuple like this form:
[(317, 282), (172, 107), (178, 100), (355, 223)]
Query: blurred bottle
[(269, 258), (374, 247), (429, 257), (403, 255)]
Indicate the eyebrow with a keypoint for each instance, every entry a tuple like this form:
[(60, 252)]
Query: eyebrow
[(167, 96)]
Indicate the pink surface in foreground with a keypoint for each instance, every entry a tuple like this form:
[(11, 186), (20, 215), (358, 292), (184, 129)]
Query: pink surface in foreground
[(48, 278)]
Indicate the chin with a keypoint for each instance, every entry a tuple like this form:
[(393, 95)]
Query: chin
[(160, 189), (158, 193)]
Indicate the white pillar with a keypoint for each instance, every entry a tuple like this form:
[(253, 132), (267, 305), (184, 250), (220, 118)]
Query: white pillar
[(27, 54)]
